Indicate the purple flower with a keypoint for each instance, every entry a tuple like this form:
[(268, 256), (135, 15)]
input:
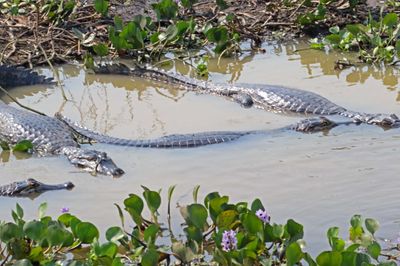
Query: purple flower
[(229, 240), (263, 215), (64, 210)]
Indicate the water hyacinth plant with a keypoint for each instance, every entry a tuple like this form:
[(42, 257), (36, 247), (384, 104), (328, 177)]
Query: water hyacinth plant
[(216, 232)]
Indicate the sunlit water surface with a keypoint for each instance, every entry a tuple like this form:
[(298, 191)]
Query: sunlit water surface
[(318, 179)]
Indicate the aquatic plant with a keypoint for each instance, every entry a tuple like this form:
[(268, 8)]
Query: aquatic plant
[(216, 231)]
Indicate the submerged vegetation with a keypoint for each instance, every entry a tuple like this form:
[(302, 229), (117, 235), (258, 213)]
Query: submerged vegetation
[(216, 231)]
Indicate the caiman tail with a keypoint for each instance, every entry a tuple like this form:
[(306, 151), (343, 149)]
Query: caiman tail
[(13, 76), (170, 141)]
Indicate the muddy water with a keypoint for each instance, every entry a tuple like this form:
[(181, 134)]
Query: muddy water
[(319, 179)]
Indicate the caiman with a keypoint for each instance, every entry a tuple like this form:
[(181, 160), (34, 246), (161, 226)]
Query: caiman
[(59, 136), (268, 97), (31, 188)]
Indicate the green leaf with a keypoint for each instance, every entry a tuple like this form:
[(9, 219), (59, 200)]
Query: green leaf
[(54, 235), (87, 232), (221, 4), (333, 39), (334, 29), (353, 29), (42, 209), (371, 225), (338, 244), (188, 3), (195, 193), (226, 218), (194, 233), (356, 221), (150, 233), (257, 205), (184, 253), (294, 229), (34, 230), (390, 20), (150, 258), (216, 206), (252, 223), (153, 200), (349, 258), (9, 231), (114, 234), (101, 49), (374, 250), (108, 249), (197, 215), (23, 146), (20, 211), (293, 254), (101, 6), (166, 9), (134, 206), (329, 258)]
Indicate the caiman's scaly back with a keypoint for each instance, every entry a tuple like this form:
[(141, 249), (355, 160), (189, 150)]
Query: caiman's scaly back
[(268, 97), (13, 76)]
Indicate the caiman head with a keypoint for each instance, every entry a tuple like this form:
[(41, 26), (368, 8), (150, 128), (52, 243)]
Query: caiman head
[(31, 187), (92, 161), (315, 124)]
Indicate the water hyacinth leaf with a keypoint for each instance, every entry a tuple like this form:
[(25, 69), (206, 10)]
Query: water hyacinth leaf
[(134, 206), (338, 244), (101, 49), (19, 211), (371, 225), (194, 233), (150, 258), (390, 20), (197, 215), (329, 258), (356, 221), (226, 218), (257, 205), (218, 35), (101, 6), (334, 29), (115, 233), (362, 259), (34, 230), (294, 229), (150, 233), (54, 235), (356, 233), (349, 258), (23, 146), (42, 209), (278, 230), (310, 260), (153, 200), (9, 231), (209, 197), (166, 9), (374, 250), (333, 39), (252, 223), (195, 193), (108, 249), (216, 206), (353, 29), (87, 232), (293, 254)]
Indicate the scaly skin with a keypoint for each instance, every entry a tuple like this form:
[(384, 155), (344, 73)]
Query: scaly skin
[(31, 188), (310, 125), (268, 97)]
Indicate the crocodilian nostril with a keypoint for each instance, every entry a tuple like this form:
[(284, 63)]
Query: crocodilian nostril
[(118, 172)]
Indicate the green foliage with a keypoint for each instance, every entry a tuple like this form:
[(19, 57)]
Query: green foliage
[(230, 233), (101, 6), (376, 41), (23, 146)]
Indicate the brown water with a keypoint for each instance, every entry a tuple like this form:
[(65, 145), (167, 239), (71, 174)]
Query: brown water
[(319, 179)]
